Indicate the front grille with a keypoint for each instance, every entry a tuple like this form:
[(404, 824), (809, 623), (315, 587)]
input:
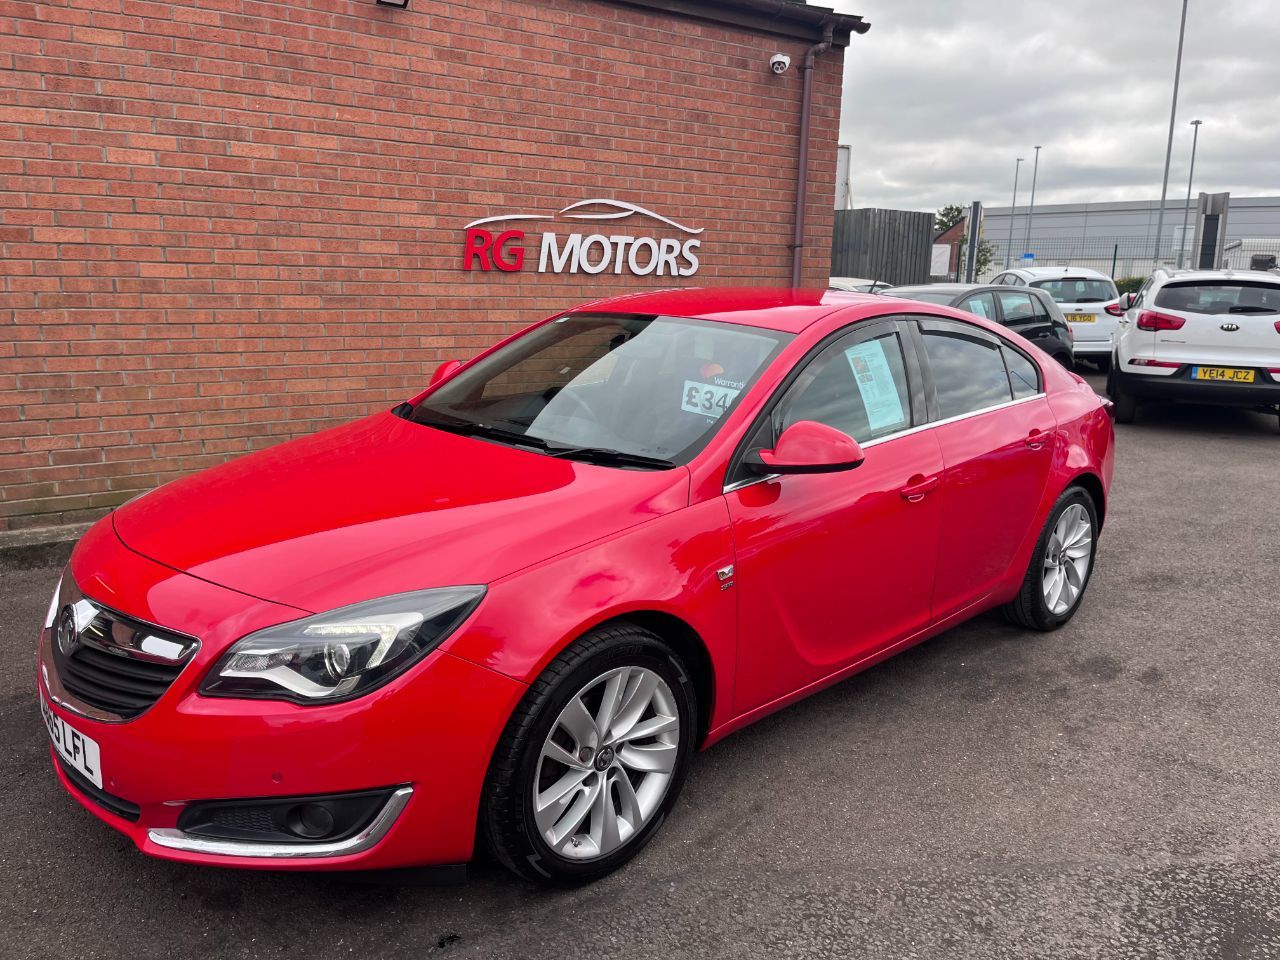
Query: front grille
[(108, 801), (106, 670)]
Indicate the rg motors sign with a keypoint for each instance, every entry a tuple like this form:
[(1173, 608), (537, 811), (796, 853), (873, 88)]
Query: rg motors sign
[(491, 243)]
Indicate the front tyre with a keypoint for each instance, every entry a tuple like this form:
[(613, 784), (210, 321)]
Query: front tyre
[(1061, 564), (592, 760)]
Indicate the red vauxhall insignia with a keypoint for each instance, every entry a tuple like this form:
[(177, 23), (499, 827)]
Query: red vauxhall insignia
[(515, 605)]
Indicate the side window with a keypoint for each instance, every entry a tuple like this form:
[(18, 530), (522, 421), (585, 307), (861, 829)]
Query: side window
[(857, 384), (1017, 306), (1040, 309), (968, 372), (1142, 292), (1024, 376), (982, 304)]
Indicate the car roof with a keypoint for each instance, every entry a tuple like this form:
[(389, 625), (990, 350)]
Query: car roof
[(769, 308), (938, 288), (1041, 273)]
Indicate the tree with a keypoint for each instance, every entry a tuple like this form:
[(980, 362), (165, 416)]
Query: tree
[(986, 253), (947, 217)]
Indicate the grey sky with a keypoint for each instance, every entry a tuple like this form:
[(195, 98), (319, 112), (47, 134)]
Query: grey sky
[(942, 95)]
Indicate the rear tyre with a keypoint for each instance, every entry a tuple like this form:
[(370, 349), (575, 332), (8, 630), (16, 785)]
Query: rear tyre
[(1061, 565), (592, 760), (1124, 405)]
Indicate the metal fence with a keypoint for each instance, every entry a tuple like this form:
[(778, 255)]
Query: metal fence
[(889, 245), (1124, 256)]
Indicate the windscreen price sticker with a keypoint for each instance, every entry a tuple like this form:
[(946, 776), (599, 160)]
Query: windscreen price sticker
[(708, 399)]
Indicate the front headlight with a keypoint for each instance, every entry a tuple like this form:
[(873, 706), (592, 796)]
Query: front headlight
[(344, 653)]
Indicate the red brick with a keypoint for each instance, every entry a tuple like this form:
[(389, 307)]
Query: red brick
[(226, 223)]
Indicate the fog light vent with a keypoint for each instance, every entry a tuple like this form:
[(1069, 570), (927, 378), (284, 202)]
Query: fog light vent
[(322, 818)]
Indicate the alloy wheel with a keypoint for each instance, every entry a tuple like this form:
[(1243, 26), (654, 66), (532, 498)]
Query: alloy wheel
[(607, 763), (1066, 559)]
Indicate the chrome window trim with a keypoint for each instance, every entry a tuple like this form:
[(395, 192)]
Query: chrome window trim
[(956, 419), (366, 838), (751, 482), (905, 433)]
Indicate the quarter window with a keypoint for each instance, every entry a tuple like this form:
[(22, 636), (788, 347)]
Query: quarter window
[(968, 371), (1024, 377)]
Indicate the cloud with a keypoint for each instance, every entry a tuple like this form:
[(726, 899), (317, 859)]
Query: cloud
[(942, 95)]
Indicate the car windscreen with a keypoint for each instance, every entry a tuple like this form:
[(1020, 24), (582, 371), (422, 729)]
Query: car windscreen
[(1220, 296), (1078, 289), (596, 386)]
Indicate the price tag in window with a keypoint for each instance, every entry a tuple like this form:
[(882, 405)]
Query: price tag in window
[(708, 399), (875, 381)]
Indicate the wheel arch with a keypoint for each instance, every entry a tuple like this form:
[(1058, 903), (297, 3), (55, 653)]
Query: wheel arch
[(1091, 483), (688, 645)]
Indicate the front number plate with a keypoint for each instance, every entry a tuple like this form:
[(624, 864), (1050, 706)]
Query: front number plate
[(77, 751), (1222, 373)]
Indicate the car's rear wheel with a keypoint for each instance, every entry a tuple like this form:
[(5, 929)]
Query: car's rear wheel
[(593, 758), (1061, 564)]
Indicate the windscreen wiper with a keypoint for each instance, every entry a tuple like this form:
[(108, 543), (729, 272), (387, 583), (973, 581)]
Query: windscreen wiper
[(1089, 300), (471, 428), (607, 457)]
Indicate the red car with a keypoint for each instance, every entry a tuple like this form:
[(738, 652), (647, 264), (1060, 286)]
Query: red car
[(516, 604)]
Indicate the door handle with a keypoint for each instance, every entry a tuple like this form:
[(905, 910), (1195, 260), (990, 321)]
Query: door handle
[(918, 486), (1036, 438)]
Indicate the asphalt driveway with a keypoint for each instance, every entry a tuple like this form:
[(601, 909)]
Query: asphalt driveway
[(1110, 790)]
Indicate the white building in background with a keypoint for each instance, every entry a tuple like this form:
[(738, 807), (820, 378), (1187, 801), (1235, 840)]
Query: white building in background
[(1098, 234)]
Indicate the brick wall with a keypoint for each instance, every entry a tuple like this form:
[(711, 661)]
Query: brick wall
[(228, 222)]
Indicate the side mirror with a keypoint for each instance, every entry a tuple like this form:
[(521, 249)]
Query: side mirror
[(444, 371), (1127, 301), (808, 447)]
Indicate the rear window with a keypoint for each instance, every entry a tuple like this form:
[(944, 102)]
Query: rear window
[(1078, 289), (1239, 296)]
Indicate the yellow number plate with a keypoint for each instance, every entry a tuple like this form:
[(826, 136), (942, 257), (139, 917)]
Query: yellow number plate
[(1082, 318), (1222, 373)]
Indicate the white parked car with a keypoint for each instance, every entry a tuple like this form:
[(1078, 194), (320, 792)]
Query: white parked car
[(1203, 336), (857, 285), (1087, 298)]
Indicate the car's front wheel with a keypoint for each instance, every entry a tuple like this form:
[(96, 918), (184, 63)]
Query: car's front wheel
[(593, 758), (1061, 564)]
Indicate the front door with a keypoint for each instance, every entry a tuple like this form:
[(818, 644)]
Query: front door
[(832, 567)]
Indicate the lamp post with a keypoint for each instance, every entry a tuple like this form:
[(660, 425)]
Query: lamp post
[(1168, 151), (1186, 211), (1031, 209), (1008, 250)]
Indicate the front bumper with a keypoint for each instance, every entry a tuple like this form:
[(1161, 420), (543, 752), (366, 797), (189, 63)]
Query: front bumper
[(1263, 392), (428, 734)]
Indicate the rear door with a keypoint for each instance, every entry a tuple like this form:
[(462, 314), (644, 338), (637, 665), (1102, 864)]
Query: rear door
[(1021, 312), (1228, 322), (996, 432)]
